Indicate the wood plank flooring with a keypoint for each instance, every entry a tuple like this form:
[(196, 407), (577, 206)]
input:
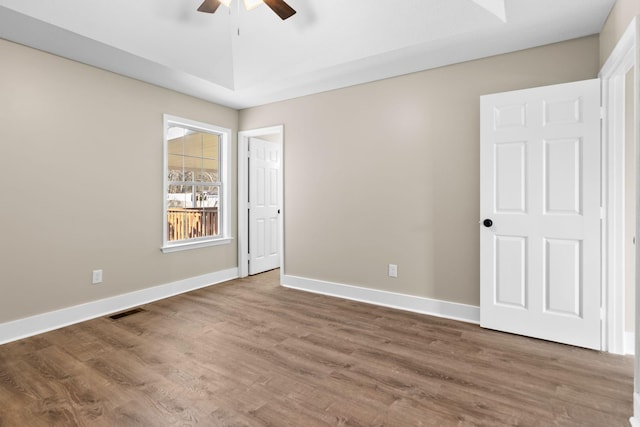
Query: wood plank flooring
[(251, 353)]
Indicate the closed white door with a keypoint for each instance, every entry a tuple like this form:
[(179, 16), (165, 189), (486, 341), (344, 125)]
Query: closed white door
[(540, 213), (264, 205)]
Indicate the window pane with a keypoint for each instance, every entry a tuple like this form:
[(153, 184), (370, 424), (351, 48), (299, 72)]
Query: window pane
[(209, 171), (188, 196), (176, 197), (188, 176), (211, 145), (207, 197), (174, 146), (175, 224), (192, 164), (193, 144), (207, 201), (174, 163), (174, 139), (176, 202)]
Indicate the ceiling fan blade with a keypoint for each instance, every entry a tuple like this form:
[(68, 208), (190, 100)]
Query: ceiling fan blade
[(282, 9), (209, 6)]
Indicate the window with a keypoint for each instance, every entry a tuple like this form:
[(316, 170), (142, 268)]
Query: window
[(195, 184)]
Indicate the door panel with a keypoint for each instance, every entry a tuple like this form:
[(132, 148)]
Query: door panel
[(264, 205), (511, 278), (540, 185), (563, 278), (510, 164), (563, 176)]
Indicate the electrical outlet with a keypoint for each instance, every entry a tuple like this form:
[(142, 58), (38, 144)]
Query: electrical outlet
[(97, 277), (393, 270)]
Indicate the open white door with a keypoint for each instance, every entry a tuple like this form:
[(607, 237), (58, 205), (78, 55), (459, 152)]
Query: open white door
[(264, 205), (540, 257)]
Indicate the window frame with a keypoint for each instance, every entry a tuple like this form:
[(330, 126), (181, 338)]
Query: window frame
[(224, 176)]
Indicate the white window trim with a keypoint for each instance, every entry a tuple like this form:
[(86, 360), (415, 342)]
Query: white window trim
[(224, 208)]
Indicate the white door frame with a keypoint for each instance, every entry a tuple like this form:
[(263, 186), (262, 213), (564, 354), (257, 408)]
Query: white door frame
[(622, 59), (277, 134), (613, 73)]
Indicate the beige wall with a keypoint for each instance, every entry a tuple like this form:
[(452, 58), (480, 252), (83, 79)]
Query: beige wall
[(388, 172), (81, 174), (380, 173), (619, 19)]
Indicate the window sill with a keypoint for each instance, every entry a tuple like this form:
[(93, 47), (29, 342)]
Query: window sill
[(195, 245)]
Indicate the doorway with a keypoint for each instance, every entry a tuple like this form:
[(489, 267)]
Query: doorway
[(273, 138), (620, 141), (619, 118), (620, 132)]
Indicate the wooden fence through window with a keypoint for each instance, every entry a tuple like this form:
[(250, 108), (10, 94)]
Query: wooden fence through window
[(190, 223)]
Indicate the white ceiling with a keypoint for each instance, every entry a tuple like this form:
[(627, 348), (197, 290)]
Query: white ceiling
[(241, 59)]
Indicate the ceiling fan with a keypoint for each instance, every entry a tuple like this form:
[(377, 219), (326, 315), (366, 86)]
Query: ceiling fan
[(282, 9)]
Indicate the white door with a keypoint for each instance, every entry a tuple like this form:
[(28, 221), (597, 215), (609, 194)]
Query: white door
[(540, 213), (264, 205)]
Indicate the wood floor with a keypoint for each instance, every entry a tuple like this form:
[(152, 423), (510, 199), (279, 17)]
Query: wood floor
[(251, 353)]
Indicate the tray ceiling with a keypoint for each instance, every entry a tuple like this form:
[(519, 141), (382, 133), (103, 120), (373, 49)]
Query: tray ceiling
[(245, 58)]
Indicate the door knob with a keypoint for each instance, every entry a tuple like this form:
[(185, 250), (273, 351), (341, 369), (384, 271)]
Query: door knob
[(487, 223)]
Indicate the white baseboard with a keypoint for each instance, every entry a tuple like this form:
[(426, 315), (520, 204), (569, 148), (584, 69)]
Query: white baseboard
[(449, 310), (629, 343), (635, 420), (29, 326)]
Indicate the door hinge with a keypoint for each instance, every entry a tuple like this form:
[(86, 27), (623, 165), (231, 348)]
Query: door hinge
[(602, 313), (603, 212), (603, 113)]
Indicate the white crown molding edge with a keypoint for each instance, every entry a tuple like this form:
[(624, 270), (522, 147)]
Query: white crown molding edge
[(45, 322), (422, 305)]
